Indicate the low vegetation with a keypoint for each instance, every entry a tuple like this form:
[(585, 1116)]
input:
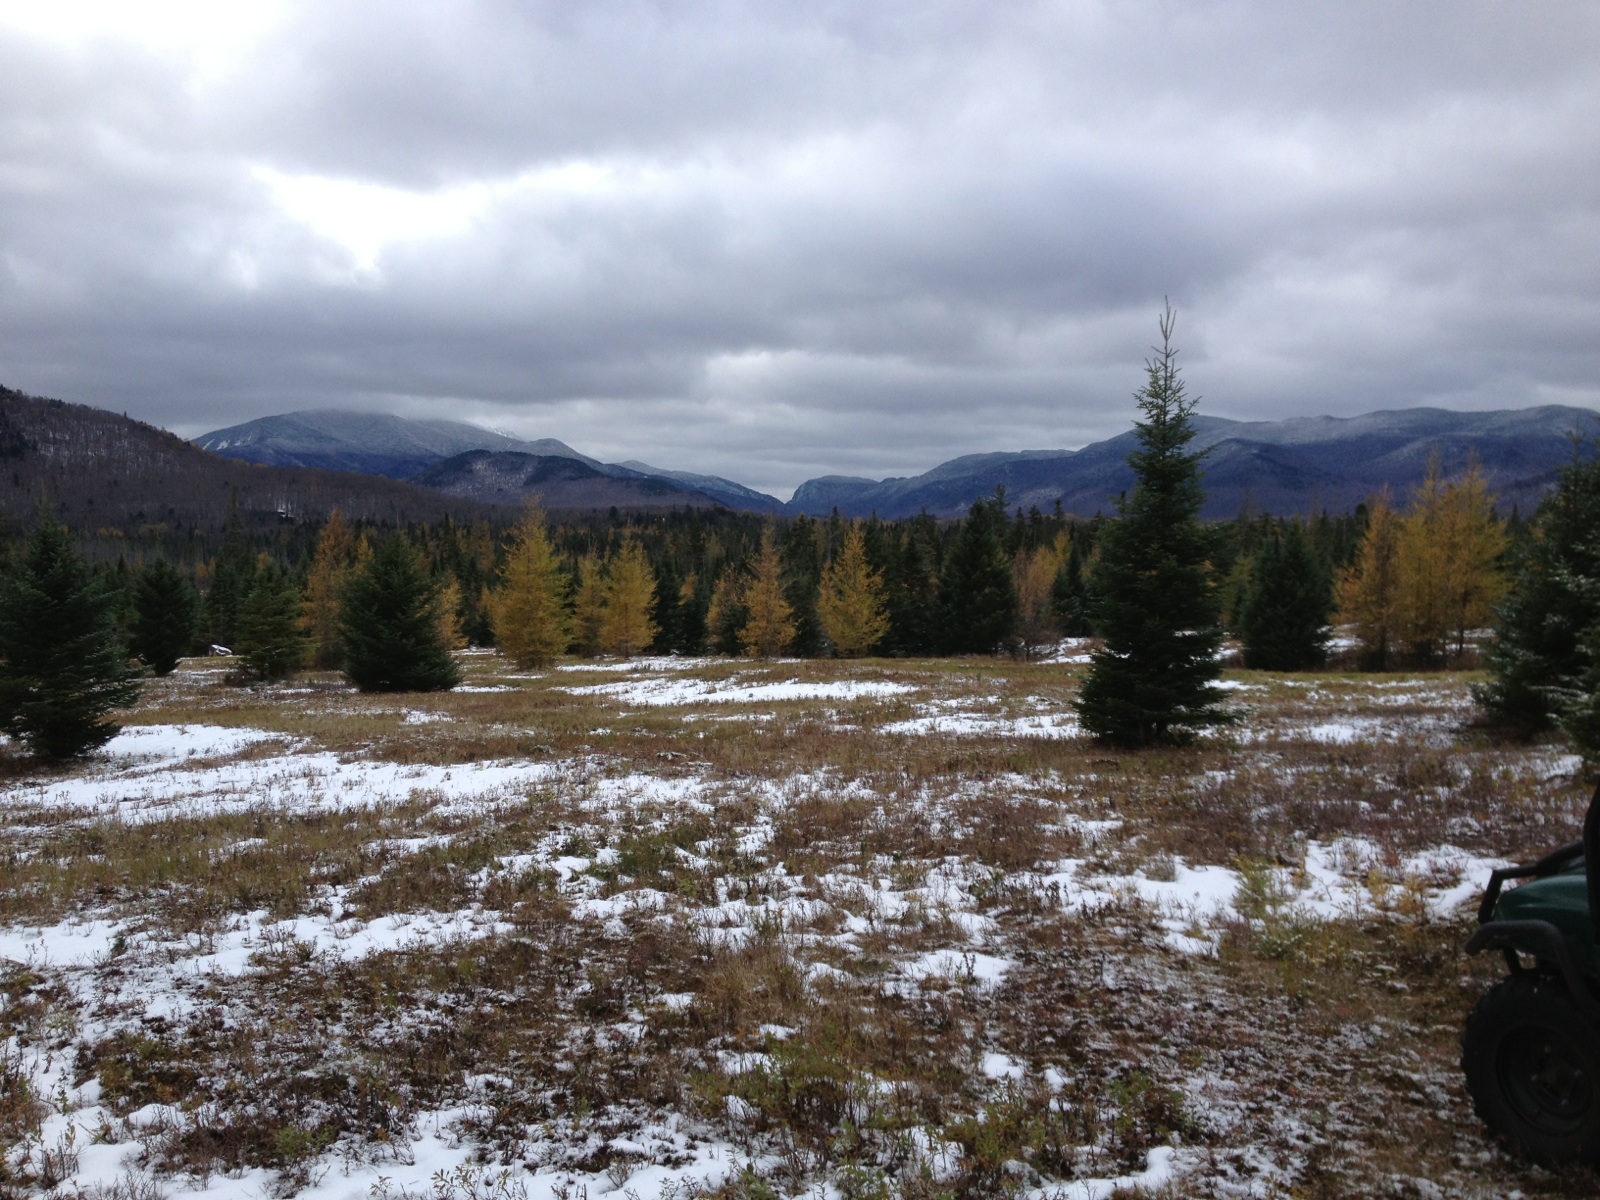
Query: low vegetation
[(672, 927)]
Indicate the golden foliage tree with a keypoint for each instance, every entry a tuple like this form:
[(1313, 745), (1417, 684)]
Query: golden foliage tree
[(1369, 592), (1034, 576), (529, 609), (589, 605), (331, 565), (1425, 580), (451, 631), (850, 601), (769, 625), (626, 626)]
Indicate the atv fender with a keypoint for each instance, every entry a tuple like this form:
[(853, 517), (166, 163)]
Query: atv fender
[(1543, 941)]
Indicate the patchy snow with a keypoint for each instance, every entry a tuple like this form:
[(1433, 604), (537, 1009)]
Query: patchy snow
[(1047, 725), (666, 693)]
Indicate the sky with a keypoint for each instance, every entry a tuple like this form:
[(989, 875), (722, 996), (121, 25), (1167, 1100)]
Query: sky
[(775, 240)]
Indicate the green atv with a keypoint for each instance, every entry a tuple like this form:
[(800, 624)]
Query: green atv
[(1531, 1050)]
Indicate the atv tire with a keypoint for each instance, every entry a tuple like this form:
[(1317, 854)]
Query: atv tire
[(1532, 1062)]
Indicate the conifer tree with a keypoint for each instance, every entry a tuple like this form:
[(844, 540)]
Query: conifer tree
[(390, 625), (1544, 654), (450, 607), (271, 642), (727, 614), (1369, 591), (768, 627), (850, 598), (61, 666), (626, 627), (1284, 617), (331, 564), (801, 554), (694, 604), (912, 584), (977, 598), (230, 580), (529, 609), (1069, 597), (1474, 543), (588, 605), (166, 617), (1155, 601)]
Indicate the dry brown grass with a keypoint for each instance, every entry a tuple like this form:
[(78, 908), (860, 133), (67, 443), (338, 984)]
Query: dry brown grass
[(692, 887)]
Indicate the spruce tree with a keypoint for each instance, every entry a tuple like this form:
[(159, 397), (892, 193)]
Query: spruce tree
[(166, 617), (1069, 597), (61, 666), (977, 596), (231, 575), (271, 642), (912, 584), (850, 598), (390, 625), (531, 622), (1154, 598), (1284, 615), (1547, 637), (727, 613)]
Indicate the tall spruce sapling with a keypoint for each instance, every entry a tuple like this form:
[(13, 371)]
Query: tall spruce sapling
[(272, 641), (1284, 614), (166, 617), (1544, 662), (977, 595), (389, 624), (1154, 597), (61, 666)]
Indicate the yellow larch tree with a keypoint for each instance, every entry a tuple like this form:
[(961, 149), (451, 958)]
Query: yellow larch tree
[(769, 625), (529, 608), (1475, 542), (1369, 592), (626, 625), (331, 565), (850, 601), (589, 605)]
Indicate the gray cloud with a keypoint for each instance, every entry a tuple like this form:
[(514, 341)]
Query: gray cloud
[(777, 240)]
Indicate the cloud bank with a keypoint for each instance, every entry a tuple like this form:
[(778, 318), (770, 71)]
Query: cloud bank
[(774, 240)]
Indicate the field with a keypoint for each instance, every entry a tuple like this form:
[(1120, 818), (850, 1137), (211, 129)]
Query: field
[(691, 928)]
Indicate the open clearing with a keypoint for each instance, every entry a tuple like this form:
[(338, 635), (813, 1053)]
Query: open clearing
[(712, 928)]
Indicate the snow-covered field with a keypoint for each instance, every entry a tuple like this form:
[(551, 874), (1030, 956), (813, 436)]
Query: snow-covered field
[(671, 928)]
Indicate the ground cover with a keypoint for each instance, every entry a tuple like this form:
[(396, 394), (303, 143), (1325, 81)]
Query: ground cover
[(722, 928)]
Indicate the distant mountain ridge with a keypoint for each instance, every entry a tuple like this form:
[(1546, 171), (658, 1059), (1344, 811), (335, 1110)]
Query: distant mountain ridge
[(403, 448), (1300, 465)]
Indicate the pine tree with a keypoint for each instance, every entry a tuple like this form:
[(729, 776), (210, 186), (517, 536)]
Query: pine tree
[(768, 627), (801, 553), (977, 598), (1155, 601), (589, 605), (1284, 618), (1544, 653), (272, 642), (626, 627), (390, 625), (694, 606), (61, 667), (529, 609), (331, 565), (166, 617), (850, 598), (1369, 591)]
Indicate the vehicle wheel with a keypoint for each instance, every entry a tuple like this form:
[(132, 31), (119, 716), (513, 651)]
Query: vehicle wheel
[(1532, 1061)]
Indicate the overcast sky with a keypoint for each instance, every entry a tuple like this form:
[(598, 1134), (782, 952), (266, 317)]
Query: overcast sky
[(774, 240)]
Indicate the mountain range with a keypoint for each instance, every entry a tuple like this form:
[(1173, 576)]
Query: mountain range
[(1302, 465)]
